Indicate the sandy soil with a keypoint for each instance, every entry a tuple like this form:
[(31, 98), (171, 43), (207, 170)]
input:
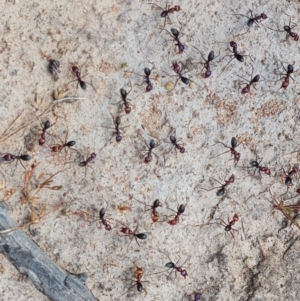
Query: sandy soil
[(107, 40)]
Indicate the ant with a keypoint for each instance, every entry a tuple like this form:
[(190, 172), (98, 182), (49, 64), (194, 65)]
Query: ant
[(177, 146), (256, 164), (77, 72), (222, 189), (254, 19), (126, 103), (85, 163), (196, 297), (236, 55), (286, 76), (288, 176), (139, 286), (175, 35), (206, 65), (234, 153), (146, 80), (56, 148), (117, 122), (10, 158), (175, 220), (168, 10), (178, 70), (153, 207), (45, 127), (173, 266), (135, 235), (150, 148), (288, 30), (253, 80), (228, 227), (103, 220)]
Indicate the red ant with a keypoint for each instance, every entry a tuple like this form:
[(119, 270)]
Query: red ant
[(146, 80), (77, 72), (117, 122), (177, 146), (256, 164), (175, 220), (228, 227), (236, 55), (135, 235), (175, 35), (139, 286), (253, 80), (58, 147), (289, 177), (45, 127), (222, 189), (150, 148), (177, 69), (256, 19), (153, 207), (288, 30), (287, 75), (85, 163), (10, 158), (124, 99), (234, 153), (173, 266), (103, 220), (168, 10), (206, 65)]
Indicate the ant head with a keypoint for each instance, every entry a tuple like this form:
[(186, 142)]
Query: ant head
[(290, 68), (233, 142), (71, 143), (75, 69), (295, 168), (108, 227), (180, 48), (42, 141), (93, 155), (266, 170), (148, 159), (184, 273), (149, 87), (263, 16), (233, 44), (175, 32), (231, 179), (127, 109), (246, 89), (235, 217), (176, 8), (119, 138), (25, 157), (211, 56)]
